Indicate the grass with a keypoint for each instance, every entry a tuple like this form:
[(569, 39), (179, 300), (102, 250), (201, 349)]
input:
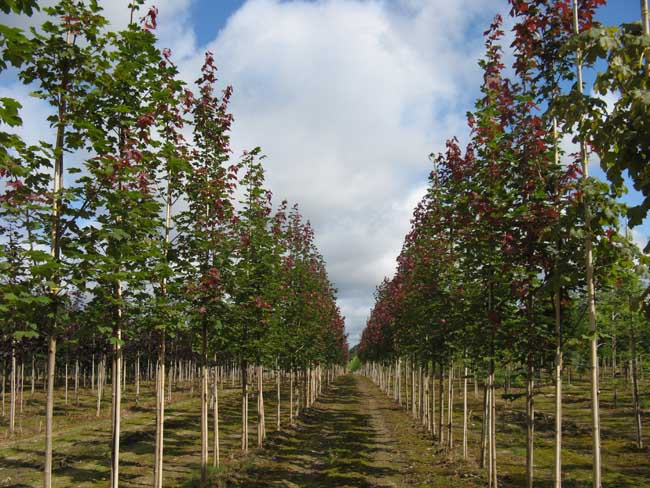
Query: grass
[(353, 437)]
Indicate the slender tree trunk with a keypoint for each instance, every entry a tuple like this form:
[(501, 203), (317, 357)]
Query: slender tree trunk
[(493, 429), (244, 390), (635, 390), (215, 419), (22, 387), (137, 378), (160, 412), (261, 427), (12, 389), (278, 379), (465, 414), (65, 379), (76, 382), (49, 411), (291, 397), (450, 408), (591, 300), (33, 379), (100, 384), (204, 405), (441, 410), (4, 380), (530, 423), (116, 414), (557, 472)]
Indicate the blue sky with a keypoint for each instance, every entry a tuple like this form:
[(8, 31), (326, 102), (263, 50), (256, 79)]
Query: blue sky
[(346, 98)]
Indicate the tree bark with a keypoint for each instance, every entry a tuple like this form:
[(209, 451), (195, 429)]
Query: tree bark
[(557, 472), (465, 414), (215, 419), (244, 392), (49, 411), (261, 427), (591, 300), (204, 405), (12, 389), (635, 390), (160, 412), (116, 413), (530, 423), (450, 408)]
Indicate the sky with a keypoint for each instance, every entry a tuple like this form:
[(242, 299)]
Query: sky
[(347, 98)]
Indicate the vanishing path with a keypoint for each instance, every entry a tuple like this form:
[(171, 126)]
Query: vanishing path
[(353, 437)]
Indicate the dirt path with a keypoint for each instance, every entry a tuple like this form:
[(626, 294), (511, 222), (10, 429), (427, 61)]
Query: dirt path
[(346, 440)]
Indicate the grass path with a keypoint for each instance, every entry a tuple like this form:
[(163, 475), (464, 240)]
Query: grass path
[(353, 437)]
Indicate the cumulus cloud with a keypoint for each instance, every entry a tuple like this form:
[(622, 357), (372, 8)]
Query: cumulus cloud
[(346, 98)]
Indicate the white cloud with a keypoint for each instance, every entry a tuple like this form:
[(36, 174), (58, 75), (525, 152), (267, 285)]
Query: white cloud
[(347, 98)]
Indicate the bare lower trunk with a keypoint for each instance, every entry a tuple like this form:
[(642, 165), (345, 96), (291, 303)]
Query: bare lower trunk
[(12, 389), (465, 414), (76, 382), (33, 378), (635, 391), (261, 421), (49, 411), (100, 383), (215, 419), (137, 378), (291, 397), (530, 425), (244, 412), (65, 379), (116, 413), (450, 409), (160, 413), (591, 301), (485, 428), (278, 398), (557, 471), (441, 408)]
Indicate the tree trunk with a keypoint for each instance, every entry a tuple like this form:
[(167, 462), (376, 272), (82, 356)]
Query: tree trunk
[(76, 382), (441, 408), (291, 397), (493, 429), (530, 423), (278, 379), (116, 413), (100, 383), (12, 389), (244, 412), (49, 411), (33, 379), (261, 427), (65, 379), (450, 408), (4, 380), (160, 412), (465, 414), (485, 427), (557, 472), (635, 390), (204, 405), (591, 301), (215, 419), (137, 378)]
